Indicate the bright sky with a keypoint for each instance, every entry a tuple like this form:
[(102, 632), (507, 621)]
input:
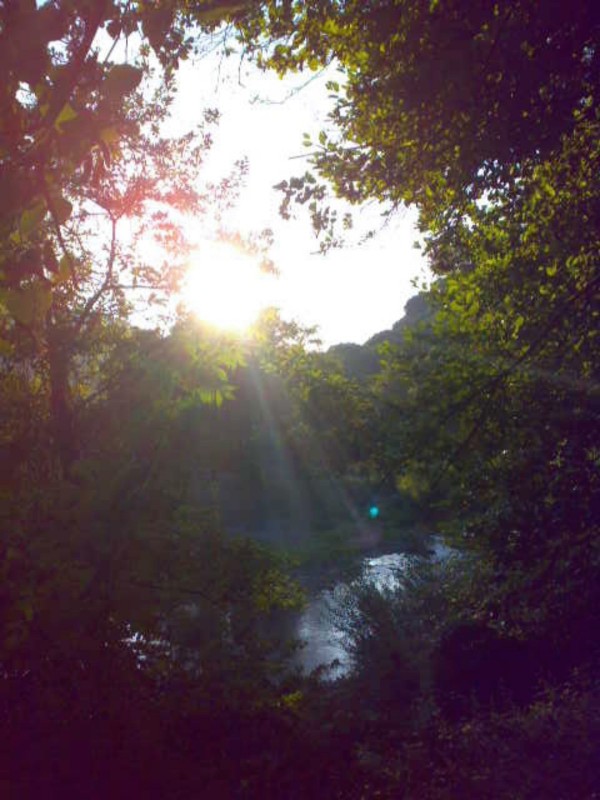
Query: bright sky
[(350, 293)]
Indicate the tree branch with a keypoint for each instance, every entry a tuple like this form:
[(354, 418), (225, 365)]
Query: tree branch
[(89, 306), (57, 229)]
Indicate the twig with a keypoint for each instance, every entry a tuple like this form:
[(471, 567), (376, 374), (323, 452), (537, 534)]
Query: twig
[(107, 279)]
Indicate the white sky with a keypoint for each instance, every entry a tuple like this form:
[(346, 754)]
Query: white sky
[(350, 293)]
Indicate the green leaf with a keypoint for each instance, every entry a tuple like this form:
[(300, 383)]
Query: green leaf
[(62, 209), (28, 304), (109, 135), (31, 218), (67, 114), (121, 80), (155, 23), (220, 12), (64, 270), (518, 325)]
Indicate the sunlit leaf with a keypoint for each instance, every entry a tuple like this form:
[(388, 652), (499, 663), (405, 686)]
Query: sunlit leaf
[(64, 270), (28, 304), (67, 114), (31, 218), (109, 135)]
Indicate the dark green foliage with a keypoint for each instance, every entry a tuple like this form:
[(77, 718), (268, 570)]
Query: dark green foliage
[(486, 118), (439, 103), (441, 704), (472, 663)]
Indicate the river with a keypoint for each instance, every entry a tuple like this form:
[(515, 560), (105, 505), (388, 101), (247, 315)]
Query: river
[(316, 626)]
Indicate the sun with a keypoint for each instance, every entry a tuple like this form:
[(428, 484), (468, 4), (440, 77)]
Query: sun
[(226, 287)]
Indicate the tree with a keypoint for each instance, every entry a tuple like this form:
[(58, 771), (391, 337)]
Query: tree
[(486, 119), (129, 620), (86, 173), (97, 529), (500, 405), (438, 104)]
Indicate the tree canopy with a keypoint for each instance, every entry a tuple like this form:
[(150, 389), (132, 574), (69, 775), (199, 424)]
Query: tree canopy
[(437, 104)]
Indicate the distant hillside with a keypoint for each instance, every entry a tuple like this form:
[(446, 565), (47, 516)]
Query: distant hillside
[(362, 360)]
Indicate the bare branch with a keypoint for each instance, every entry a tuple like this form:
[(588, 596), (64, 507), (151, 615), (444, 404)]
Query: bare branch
[(105, 285)]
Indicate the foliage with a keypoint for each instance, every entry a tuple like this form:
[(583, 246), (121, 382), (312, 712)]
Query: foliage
[(508, 379), (438, 103), (323, 414), (112, 574), (486, 118), (93, 192), (134, 632), (123, 604)]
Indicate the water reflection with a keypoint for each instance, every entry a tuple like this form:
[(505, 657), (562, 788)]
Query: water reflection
[(324, 643)]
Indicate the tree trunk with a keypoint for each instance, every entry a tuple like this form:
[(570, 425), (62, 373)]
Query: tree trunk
[(61, 407)]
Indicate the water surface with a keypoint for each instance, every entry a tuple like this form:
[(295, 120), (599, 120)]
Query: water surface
[(316, 627)]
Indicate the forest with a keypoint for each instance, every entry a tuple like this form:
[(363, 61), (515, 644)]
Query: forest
[(166, 488)]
